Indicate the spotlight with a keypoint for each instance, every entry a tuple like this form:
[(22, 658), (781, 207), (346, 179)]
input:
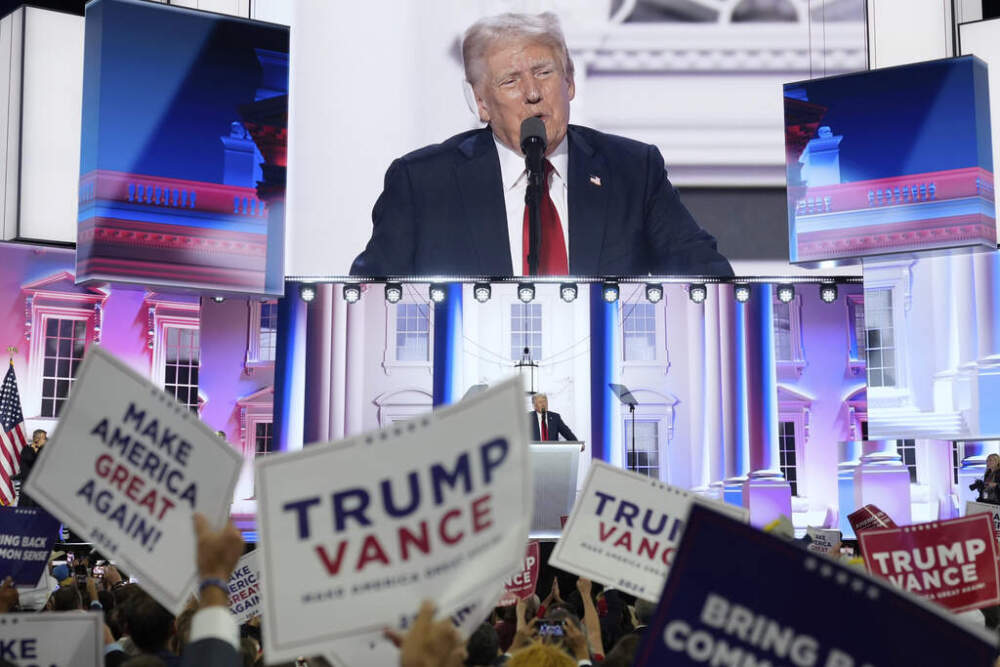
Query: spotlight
[(828, 292), (307, 292), (393, 292), (482, 292), (786, 293), (610, 292), (438, 292), (697, 292), (218, 299), (654, 293), (352, 293), (568, 292), (526, 292), (742, 293)]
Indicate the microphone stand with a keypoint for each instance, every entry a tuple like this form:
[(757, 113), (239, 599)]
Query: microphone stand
[(533, 200)]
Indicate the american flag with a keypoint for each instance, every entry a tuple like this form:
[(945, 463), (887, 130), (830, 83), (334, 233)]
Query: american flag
[(12, 439)]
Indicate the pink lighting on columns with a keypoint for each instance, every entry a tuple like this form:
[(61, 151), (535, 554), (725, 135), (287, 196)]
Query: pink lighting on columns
[(766, 494), (882, 480)]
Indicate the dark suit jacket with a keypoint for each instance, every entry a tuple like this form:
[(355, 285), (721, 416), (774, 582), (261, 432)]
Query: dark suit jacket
[(211, 651), (555, 425), (442, 213)]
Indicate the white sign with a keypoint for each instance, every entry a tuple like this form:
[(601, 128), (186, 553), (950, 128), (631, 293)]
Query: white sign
[(61, 638), (244, 588), (824, 540), (355, 534), (127, 468), (625, 528)]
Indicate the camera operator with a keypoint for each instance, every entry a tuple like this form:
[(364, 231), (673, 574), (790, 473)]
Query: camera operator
[(989, 486)]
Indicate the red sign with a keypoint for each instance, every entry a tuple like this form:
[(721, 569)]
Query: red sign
[(953, 563), (869, 517), (522, 585)]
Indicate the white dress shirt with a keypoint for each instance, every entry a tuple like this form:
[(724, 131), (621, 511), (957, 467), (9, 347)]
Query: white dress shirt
[(515, 182)]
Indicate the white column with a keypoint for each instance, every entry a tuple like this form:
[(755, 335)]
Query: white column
[(882, 480), (696, 351), (338, 368), (712, 450), (354, 390)]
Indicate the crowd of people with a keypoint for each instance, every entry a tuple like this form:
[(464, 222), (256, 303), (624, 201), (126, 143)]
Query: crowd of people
[(590, 625)]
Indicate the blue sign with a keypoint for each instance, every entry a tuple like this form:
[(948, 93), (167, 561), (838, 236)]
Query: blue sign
[(26, 538), (737, 596)]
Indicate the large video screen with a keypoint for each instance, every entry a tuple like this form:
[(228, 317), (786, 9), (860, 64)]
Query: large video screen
[(182, 167), (932, 329), (889, 161)]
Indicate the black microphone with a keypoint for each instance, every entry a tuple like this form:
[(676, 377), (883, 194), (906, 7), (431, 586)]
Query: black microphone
[(533, 142)]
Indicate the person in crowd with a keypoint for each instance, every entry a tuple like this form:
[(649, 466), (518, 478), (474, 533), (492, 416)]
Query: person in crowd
[(623, 653), (214, 637), (483, 647), (546, 426), (457, 208), (150, 626), (989, 485), (644, 611), (9, 597), (28, 457)]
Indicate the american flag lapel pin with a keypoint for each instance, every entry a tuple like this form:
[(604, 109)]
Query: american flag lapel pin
[(596, 180)]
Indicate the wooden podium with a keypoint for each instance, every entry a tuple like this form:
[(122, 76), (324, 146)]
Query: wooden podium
[(554, 467)]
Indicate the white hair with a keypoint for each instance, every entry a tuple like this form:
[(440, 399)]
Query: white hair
[(543, 28), (540, 394)]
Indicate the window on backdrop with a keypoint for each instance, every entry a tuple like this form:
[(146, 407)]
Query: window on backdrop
[(268, 330), (783, 331), (908, 452), (182, 358), (413, 332), (879, 338), (65, 343), (525, 330), (956, 461), (639, 331), (645, 459), (786, 444), (262, 438)]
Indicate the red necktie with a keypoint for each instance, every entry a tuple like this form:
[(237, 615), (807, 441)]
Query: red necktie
[(545, 428), (552, 259)]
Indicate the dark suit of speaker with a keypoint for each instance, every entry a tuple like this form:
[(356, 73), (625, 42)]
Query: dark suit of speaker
[(442, 212), (554, 425)]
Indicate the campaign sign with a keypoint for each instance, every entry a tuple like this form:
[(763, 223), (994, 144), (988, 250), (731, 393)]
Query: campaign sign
[(952, 562), (738, 596), (244, 588), (521, 585), (823, 540), (437, 508), (868, 517), (59, 638), (127, 468), (26, 538), (625, 528), (972, 507)]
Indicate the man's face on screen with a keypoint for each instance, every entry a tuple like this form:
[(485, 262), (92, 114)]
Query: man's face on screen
[(524, 79), (541, 403)]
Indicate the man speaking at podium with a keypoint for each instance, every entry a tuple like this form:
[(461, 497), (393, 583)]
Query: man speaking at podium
[(547, 426), (605, 205)]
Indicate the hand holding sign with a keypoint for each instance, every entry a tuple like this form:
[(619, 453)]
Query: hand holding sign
[(127, 469), (447, 521), (624, 529)]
